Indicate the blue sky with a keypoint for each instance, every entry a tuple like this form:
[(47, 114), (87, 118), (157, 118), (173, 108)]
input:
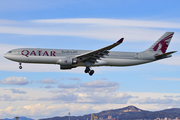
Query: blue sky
[(40, 91)]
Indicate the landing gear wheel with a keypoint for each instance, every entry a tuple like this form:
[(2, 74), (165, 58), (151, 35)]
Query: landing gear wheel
[(87, 70), (20, 67), (91, 72)]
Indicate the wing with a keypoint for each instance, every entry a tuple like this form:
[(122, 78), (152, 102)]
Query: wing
[(92, 56)]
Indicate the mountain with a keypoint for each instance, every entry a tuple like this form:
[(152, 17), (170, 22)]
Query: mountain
[(127, 113), (20, 118)]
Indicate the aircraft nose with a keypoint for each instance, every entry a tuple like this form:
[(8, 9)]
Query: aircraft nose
[(5, 55)]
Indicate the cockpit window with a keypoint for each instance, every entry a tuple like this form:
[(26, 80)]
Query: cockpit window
[(9, 52)]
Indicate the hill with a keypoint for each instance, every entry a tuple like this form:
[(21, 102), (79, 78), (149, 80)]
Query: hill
[(128, 113)]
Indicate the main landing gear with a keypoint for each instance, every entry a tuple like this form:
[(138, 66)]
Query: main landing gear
[(88, 70), (20, 67)]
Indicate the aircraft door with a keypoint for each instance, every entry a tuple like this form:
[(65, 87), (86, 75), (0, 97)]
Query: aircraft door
[(138, 56)]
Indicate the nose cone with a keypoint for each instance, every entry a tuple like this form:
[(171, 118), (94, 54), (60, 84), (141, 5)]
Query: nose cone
[(5, 55), (8, 56)]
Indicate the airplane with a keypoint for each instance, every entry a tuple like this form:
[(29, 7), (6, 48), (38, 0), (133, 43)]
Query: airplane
[(70, 58)]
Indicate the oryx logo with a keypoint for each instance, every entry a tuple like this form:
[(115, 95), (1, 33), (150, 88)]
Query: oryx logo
[(163, 44)]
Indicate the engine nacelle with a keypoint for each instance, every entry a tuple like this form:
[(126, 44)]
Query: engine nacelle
[(65, 67), (66, 63)]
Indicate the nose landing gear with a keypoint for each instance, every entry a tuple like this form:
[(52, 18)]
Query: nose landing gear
[(20, 67)]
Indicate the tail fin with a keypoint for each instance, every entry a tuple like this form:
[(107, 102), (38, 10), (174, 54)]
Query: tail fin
[(161, 45)]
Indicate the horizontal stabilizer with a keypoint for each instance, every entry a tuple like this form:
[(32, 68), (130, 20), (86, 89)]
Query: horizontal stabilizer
[(165, 55)]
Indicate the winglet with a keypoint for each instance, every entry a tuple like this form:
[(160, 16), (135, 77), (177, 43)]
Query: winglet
[(120, 40)]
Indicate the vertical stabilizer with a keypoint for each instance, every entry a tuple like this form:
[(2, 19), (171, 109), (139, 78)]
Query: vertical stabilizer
[(161, 45)]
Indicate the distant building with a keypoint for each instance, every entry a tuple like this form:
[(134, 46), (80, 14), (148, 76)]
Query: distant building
[(113, 119), (110, 117), (167, 118), (93, 117), (176, 118), (101, 118)]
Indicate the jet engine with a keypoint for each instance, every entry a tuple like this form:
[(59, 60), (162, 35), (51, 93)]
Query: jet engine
[(66, 63)]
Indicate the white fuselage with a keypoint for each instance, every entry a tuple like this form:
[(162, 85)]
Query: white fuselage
[(52, 56)]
